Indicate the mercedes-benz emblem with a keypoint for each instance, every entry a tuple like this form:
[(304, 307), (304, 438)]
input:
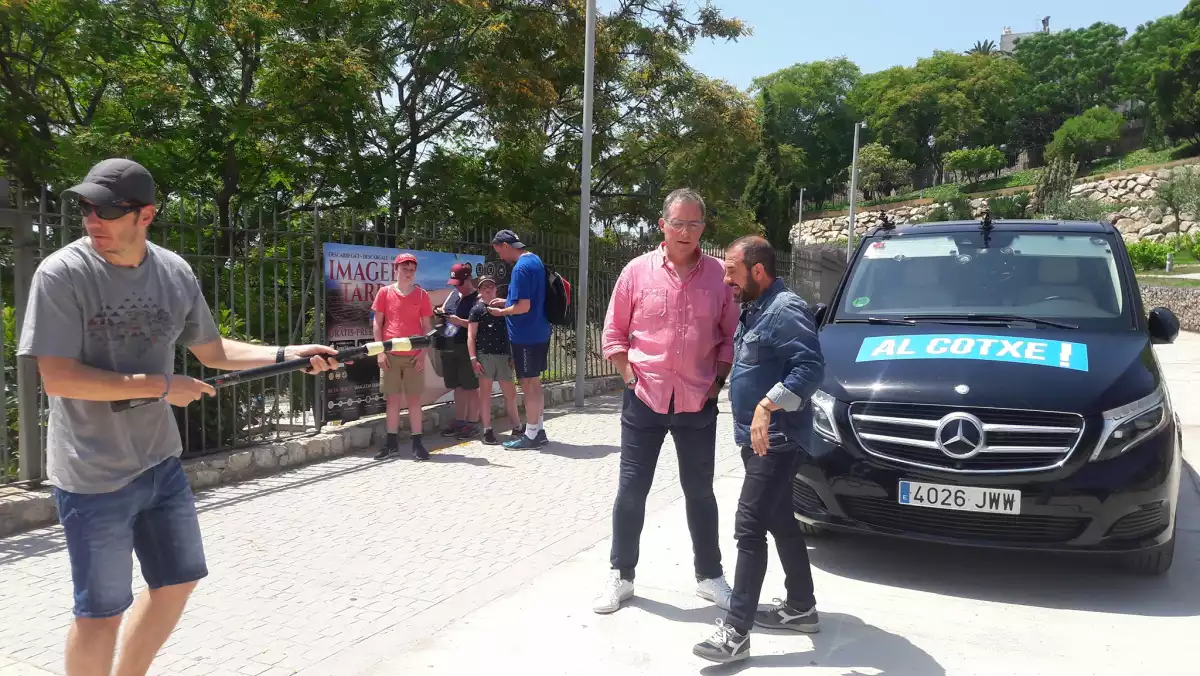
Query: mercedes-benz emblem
[(960, 435), (962, 389)]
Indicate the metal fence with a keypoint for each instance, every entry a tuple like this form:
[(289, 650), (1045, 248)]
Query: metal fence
[(263, 278)]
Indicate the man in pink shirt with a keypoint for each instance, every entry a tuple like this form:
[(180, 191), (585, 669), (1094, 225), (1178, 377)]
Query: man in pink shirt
[(669, 331)]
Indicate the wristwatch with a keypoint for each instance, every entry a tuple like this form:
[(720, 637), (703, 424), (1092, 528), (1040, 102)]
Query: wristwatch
[(632, 382), (279, 356)]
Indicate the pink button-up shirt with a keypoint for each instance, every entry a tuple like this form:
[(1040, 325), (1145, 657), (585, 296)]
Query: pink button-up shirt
[(675, 331)]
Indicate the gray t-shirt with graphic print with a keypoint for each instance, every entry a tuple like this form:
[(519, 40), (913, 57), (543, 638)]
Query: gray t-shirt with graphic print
[(126, 320)]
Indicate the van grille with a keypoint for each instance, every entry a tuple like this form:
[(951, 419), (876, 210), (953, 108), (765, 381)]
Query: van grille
[(1006, 528), (1013, 440)]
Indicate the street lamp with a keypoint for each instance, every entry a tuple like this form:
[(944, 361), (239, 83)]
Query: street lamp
[(853, 190), (585, 205)]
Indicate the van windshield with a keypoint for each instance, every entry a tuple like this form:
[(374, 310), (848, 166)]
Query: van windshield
[(1054, 276)]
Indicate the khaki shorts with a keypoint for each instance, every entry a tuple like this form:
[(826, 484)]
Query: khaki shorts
[(401, 376), (497, 367)]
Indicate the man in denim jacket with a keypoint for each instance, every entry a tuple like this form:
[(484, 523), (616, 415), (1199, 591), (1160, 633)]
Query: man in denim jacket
[(776, 368)]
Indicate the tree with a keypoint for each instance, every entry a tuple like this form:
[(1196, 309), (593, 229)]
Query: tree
[(943, 103), (1163, 67), (975, 163), (1069, 72), (58, 60), (1086, 136), (766, 194), (814, 115), (986, 48), (879, 174)]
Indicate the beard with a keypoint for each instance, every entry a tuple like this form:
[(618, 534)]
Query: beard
[(749, 291)]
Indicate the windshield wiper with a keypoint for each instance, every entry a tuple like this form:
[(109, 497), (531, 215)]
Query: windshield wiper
[(983, 317), (877, 320)]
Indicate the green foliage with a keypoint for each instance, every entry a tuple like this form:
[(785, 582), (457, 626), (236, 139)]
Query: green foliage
[(1086, 136), (984, 47), (1147, 255), (954, 99), (1066, 208), (1161, 66), (1071, 71), (1011, 207), (1054, 183), (1181, 193), (879, 174), (814, 115), (974, 163), (956, 209)]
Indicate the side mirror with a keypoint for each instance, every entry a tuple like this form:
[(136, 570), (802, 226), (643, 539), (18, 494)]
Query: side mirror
[(819, 311), (1164, 326)]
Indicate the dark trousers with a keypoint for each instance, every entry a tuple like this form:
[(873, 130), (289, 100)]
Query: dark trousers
[(642, 434), (766, 506)]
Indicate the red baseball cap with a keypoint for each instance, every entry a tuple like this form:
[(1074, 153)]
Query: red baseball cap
[(404, 258), (459, 273)]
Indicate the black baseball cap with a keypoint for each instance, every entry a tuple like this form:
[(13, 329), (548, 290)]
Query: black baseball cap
[(114, 181), (508, 237)]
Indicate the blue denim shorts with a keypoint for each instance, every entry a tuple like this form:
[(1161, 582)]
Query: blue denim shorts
[(154, 515)]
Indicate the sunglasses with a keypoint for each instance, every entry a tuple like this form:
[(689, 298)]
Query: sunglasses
[(108, 212)]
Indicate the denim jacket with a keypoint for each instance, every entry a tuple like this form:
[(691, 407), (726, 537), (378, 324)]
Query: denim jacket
[(777, 356)]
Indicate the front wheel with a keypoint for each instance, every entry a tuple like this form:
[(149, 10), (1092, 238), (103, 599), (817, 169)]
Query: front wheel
[(1153, 562), (810, 530)]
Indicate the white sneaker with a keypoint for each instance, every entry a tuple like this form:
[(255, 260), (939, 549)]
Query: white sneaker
[(614, 593), (715, 590)]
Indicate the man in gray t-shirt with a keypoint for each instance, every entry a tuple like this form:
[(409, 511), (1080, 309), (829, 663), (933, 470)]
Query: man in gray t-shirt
[(104, 318)]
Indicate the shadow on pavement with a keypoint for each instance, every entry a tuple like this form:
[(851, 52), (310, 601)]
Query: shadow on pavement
[(1036, 579), (33, 543), (580, 451), (846, 642)]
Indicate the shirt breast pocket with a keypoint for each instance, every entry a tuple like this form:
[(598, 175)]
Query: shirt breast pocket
[(749, 348), (703, 305), (653, 303)]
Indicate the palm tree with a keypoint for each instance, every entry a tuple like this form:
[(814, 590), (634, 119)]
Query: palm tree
[(986, 47)]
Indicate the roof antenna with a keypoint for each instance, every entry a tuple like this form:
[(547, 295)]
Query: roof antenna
[(987, 220), (885, 222)]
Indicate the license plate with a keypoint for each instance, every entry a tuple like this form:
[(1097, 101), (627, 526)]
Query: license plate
[(960, 498)]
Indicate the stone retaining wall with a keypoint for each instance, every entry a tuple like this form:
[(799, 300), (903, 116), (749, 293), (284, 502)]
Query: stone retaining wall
[(23, 509), (1137, 210), (1184, 301)]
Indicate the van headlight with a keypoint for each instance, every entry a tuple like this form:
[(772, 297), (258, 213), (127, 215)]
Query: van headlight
[(823, 416), (1126, 426)]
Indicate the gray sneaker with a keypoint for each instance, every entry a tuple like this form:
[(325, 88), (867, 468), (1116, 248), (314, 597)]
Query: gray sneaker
[(784, 615), (724, 646)]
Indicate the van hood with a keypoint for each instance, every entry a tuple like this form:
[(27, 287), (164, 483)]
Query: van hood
[(868, 362)]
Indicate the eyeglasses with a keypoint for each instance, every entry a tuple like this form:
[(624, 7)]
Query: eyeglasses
[(108, 212), (685, 225)]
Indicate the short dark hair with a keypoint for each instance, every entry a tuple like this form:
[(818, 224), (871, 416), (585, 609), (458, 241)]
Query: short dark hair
[(756, 250)]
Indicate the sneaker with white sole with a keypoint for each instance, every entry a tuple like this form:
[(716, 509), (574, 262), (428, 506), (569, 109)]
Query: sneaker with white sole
[(716, 590), (724, 646), (784, 615), (615, 592)]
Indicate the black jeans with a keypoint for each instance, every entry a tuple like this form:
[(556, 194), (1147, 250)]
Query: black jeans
[(642, 434), (766, 506)]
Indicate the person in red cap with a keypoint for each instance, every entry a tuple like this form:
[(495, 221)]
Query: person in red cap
[(402, 309), (457, 371)]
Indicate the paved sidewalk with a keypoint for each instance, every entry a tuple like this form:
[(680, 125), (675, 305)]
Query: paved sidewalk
[(306, 565), (487, 559)]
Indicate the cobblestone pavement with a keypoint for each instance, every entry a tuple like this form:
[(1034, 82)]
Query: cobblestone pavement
[(305, 565), (487, 559)]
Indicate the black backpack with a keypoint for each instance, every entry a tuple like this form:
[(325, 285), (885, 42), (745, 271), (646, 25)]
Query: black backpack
[(558, 298)]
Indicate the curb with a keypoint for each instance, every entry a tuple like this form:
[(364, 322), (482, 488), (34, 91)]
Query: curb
[(24, 509)]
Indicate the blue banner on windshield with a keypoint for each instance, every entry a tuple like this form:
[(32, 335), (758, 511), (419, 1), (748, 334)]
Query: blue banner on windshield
[(1055, 353)]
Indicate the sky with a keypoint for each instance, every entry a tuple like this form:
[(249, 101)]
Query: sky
[(879, 34)]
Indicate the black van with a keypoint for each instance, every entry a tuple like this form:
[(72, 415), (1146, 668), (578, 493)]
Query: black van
[(993, 384)]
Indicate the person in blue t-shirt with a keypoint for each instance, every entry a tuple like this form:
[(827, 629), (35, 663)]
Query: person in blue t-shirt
[(528, 330)]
